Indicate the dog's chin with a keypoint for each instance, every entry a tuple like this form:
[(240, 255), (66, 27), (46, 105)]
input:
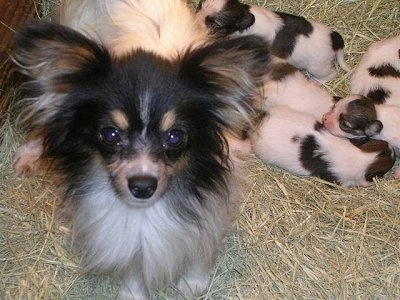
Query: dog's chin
[(138, 203)]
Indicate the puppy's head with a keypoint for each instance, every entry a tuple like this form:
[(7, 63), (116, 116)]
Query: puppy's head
[(353, 116), (146, 126), (225, 16)]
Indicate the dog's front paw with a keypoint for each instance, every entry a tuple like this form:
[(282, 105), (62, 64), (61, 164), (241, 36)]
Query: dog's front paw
[(27, 158), (195, 284)]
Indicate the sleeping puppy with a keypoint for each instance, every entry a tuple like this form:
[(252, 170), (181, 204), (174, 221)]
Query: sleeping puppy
[(147, 140), (286, 85), (297, 142), (307, 45), (378, 74), (356, 116)]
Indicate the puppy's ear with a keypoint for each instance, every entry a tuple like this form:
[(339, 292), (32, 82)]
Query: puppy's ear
[(373, 128), (230, 72), (57, 57), (247, 20)]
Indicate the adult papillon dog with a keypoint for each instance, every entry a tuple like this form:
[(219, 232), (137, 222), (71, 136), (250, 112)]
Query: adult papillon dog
[(144, 117)]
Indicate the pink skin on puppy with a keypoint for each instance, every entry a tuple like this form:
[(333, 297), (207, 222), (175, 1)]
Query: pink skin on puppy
[(297, 142), (378, 74), (356, 116), (286, 85)]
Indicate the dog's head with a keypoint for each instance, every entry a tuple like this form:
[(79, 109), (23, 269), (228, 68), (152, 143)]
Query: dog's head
[(353, 116), (153, 126), (225, 16)]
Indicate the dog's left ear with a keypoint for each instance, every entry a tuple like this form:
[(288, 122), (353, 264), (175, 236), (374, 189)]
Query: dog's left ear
[(231, 72)]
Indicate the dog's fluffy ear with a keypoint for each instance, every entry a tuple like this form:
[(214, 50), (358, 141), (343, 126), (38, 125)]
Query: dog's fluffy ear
[(57, 57), (373, 128), (231, 72)]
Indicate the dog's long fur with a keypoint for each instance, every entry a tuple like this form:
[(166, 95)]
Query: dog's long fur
[(148, 144), (166, 27)]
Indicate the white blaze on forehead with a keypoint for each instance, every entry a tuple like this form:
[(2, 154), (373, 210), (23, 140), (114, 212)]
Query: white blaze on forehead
[(120, 119), (144, 109), (168, 120)]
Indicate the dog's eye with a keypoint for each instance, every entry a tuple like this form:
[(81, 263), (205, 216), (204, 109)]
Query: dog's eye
[(346, 124), (175, 138), (110, 136)]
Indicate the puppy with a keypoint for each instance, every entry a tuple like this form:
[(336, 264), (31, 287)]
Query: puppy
[(356, 116), (306, 44), (378, 74), (286, 85), (297, 142), (142, 144)]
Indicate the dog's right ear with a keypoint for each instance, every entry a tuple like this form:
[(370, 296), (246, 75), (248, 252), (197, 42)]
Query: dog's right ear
[(58, 58), (373, 128)]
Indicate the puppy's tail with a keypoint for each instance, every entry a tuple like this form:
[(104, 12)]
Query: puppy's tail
[(341, 61), (338, 46)]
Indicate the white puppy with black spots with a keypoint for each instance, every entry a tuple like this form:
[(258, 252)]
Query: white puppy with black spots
[(297, 142), (378, 74), (306, 44), (356, 116), (292, 137)]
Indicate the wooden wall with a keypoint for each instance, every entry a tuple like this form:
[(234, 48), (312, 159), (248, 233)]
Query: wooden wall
[(13, 13)]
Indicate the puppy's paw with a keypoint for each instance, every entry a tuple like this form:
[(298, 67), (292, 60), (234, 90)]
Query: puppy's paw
[(27, 158), (397, 173)]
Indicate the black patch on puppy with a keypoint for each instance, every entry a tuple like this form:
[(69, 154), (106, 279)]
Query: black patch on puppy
[(358, 141), (360, 118), (384, 161), (385, 70), (234, 16), (337, 41), (281, 70), (379, 95), (285, 39), (318, 126), (336, 98), (295, 139), (312, 159)]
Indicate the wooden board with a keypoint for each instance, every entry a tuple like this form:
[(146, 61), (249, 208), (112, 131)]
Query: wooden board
[(13, 13)]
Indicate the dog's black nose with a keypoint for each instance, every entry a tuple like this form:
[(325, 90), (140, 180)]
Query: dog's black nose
[(142, 187)]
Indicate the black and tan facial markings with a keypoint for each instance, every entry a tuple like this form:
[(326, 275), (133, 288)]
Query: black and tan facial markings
[(141, 160), (140, 125)]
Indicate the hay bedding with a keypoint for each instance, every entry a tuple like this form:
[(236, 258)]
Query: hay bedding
[(296, 237)]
